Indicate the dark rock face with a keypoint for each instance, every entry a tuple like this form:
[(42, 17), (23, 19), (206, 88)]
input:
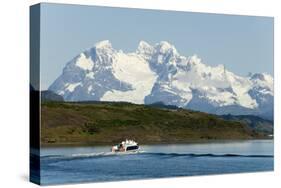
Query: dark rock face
[(50, 96)]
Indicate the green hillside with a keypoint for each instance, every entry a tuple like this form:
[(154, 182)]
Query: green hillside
[(254, 122), (95, 123)]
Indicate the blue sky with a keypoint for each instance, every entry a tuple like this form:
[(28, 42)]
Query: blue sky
[(242, 43)]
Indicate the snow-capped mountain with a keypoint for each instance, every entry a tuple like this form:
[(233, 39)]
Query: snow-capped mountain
[(160, 74)]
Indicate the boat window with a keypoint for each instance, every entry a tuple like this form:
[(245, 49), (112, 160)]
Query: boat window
[(132, 148)]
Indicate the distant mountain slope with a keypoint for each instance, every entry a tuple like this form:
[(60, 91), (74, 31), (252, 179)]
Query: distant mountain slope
[(110, 122), (159, 73), (50, 96), (256, 123)]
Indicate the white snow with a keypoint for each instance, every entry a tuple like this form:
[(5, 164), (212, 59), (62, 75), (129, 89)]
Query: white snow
[(90, 75), (134, 70), (164, 46), (263, 80), (61, 92), (144, 47), (90, 88), (145, 50), (241, 87), (84, 63), (176, 76), (71, 87), (212, 80), (103, 44)]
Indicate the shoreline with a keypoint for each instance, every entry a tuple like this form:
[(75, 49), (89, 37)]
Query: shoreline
[(87, 144)]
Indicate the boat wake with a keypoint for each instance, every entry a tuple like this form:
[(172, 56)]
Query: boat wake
[(148, 154), (207, 155)]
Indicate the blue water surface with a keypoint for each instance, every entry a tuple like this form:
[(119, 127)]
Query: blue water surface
[(94, 164)]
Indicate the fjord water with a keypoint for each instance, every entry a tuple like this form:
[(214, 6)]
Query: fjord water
[(92, 164)]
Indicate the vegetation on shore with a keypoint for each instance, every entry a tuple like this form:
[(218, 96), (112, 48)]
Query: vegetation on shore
[(93, 123)]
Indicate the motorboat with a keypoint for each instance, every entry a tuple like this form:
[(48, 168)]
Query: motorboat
[(125, 146)]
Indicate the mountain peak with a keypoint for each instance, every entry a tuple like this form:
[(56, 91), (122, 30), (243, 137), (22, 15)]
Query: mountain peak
[(164, 47), (143, 44), (144, 47), (194, 59), (103, 44), (158, 72), (261, 77)]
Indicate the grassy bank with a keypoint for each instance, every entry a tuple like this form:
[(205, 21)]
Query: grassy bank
[(107, 123)]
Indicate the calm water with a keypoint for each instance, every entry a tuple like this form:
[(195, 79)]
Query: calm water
[(92, 164)]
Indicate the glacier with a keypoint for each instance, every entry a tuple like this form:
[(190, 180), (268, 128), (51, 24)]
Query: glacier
[(158, 73)]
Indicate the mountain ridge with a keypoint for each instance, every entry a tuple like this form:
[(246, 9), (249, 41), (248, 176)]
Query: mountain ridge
[(158, 73)]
